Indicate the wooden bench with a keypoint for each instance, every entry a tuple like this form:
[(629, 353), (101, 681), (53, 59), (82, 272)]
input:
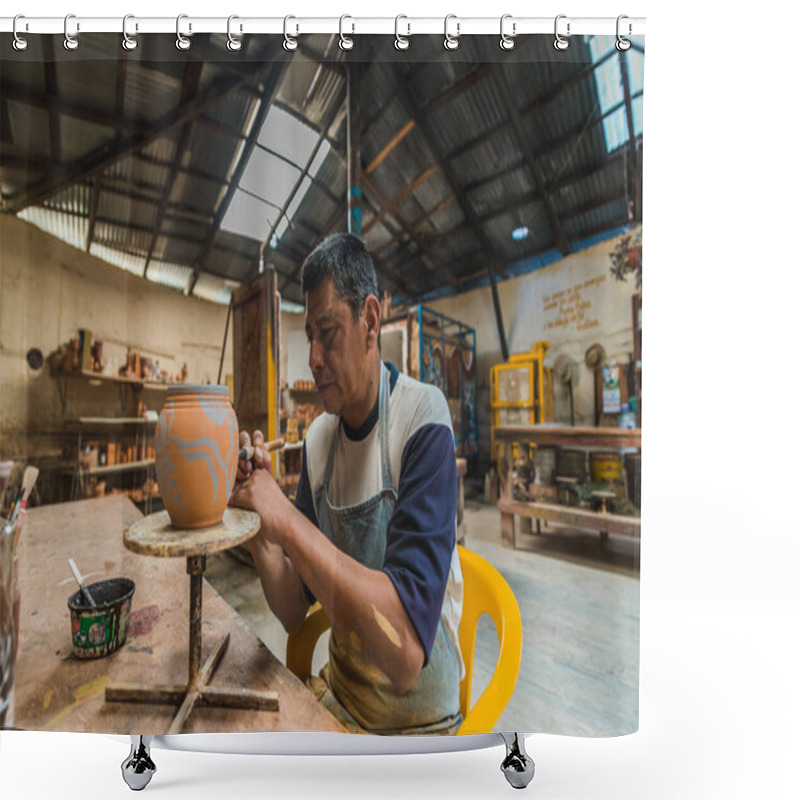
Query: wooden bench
[(578, 517)]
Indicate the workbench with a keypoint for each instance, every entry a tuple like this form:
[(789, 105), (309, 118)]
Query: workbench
[(56, 691), (556, 436)]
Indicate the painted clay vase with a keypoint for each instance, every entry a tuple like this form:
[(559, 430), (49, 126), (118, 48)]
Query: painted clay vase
[(197, 439)]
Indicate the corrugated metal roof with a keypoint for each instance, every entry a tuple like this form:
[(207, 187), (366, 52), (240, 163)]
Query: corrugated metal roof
[(119, 258), (172, 275), (67, 227), (562, 131), (214, 289)]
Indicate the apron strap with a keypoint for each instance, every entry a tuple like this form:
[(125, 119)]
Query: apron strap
[(383, 431), (387, 487)]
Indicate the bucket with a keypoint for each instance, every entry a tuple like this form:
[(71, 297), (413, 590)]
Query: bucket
[(605, 467), (544, 460), (571, 464), (96, 632)]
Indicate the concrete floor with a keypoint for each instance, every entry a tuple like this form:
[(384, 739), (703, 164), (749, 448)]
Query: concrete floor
[(579, 601)]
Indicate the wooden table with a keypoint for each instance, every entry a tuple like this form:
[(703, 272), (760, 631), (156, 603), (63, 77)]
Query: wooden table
[(56, 691), (556, 436)]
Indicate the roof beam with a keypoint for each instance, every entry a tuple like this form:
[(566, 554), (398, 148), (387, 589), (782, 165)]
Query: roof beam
[(633, 161), (191, 82), (398, 198), (268, 95), (510, 105), (388, 206), (107, 154), (423, 123)]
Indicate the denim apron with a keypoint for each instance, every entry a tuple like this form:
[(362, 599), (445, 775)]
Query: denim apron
[(361, 692)]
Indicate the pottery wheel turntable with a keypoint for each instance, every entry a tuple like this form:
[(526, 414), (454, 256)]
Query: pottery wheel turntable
[(154, 535)]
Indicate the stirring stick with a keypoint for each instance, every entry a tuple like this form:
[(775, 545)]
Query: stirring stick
[(79, 579)]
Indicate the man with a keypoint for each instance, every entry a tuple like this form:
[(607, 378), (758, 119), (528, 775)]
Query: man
[(372, 536)]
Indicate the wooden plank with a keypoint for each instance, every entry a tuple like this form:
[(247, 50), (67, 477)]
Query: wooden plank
[(56, 691), (579, 517), (552, 435)]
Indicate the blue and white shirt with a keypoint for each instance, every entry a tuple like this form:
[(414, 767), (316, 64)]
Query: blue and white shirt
[(421, 558)]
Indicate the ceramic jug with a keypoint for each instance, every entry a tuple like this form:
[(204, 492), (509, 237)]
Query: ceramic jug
[(196, 446)]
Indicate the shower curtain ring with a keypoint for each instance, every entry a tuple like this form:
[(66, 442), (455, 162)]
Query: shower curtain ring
[(401, 42), (234, 42), (622, 43), (19, 42), (561, 43), (182, 43), (450, 41), (507, 42), (128, 42), (288, 42), (345, 42), (70, 42)]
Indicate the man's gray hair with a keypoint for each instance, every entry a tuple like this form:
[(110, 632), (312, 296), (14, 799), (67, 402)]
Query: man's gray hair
[(344, 258)]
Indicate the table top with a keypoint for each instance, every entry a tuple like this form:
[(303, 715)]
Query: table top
[(568, 436), (154, 535), (56, 691)]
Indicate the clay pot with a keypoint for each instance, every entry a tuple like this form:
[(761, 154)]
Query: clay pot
[(197, 438)]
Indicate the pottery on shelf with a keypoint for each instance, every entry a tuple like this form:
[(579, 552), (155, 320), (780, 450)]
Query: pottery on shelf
[(196, 443)]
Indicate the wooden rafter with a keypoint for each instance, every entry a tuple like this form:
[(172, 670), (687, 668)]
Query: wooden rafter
[(270, 90), (109, 153), (191, 83)]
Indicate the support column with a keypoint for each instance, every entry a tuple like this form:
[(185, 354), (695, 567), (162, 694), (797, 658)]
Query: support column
[(498, 312), (354, 148)]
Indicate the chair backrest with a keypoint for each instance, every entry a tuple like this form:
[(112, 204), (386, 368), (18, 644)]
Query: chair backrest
[(487, 592)]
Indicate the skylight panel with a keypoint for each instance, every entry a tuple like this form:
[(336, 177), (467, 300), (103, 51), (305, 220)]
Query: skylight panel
[(249, 216), (637, 116), (600, 46), (319, 158), (269, 177), (616, 129), (609, 84), (286, 135)]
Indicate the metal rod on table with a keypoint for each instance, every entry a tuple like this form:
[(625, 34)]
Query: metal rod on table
[(195, 566)]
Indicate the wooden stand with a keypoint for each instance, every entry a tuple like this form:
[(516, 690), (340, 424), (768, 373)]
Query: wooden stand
[(154, 535)]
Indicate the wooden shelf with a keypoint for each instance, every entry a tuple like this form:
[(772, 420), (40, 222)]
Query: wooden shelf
[(112, 468), (118, 379), (110, 421)]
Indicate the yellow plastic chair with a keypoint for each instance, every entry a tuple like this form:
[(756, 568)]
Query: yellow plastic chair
[(485, 592)]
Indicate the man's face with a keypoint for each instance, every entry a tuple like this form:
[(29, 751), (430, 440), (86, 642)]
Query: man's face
[(338, 347)]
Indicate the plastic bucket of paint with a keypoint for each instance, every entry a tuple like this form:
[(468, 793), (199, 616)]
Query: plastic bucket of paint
[(99, 631)]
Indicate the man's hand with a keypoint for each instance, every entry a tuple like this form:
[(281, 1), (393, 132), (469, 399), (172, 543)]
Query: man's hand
[(260, 459)]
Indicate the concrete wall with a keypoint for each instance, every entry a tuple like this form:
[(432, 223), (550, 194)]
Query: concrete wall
[(48, 290), (574, 303)]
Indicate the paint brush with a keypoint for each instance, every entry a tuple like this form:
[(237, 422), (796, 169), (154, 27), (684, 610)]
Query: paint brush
[(79, 579), (247, 453), (28, 482)]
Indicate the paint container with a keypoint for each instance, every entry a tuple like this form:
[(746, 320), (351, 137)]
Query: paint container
[(97, 632), (605, 467)]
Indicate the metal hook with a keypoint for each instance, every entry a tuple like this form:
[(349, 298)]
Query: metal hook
[(234, 43), (288, 42), (622, 43), (345, 42), (182, 43), (70, 42), (561, 43), (19, 42), (507, 42), (128, 42), (401, 42), (451, 42)]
